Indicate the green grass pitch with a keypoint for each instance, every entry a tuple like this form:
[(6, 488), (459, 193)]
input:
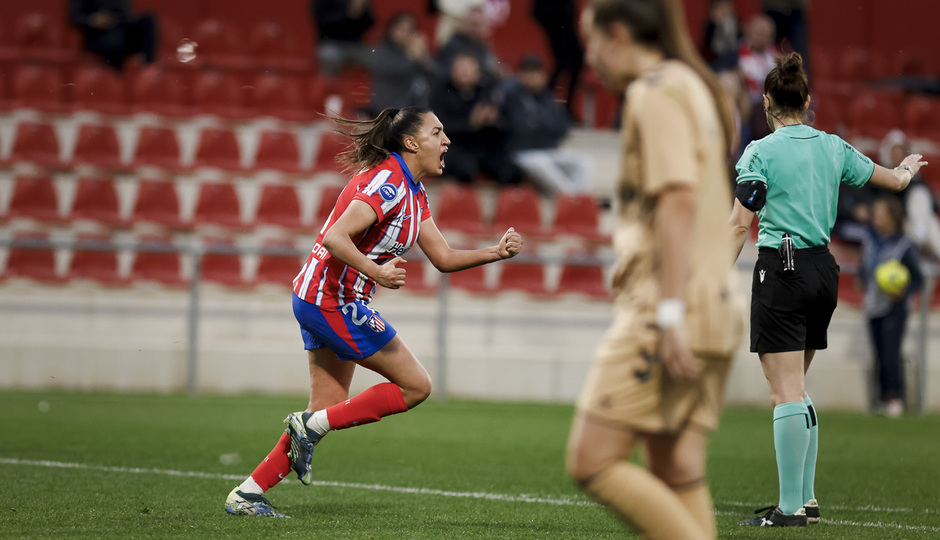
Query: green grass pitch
[(92, 465)]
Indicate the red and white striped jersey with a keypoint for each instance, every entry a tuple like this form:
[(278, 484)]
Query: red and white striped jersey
[(400, 203)]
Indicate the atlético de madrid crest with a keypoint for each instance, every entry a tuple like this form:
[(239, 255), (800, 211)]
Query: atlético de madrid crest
[(376, 324)]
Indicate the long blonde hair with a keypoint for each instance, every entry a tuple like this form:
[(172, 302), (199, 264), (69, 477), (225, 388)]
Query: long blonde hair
[(660, 24)]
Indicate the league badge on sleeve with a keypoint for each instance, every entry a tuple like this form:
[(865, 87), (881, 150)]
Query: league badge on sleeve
[(388, 192)]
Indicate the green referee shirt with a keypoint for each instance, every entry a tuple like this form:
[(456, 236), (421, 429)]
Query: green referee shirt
[(802, 168)]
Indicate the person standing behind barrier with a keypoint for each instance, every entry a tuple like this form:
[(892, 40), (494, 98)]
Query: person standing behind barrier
[(380, 214), (401, 66), (537, 125), (887, 257), (920, 203), (556, 17), (341, 26), (791, 179), (113, 31), (659, 375)]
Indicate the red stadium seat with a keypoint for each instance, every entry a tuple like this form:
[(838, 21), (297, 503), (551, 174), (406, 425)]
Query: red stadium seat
[(218, 148), (849, 292), (922, 117), (586, 279), (328, 196), (153, 89), (415, 278), (518, 207), (221, 263), (525, 277), (157, 202), (36, 143), (221, 45), (278, 150), (355, 89), (276, 269), (97, 145), (281, 97), (34, 197), (279, 205), (39, 87), (330, 145), (96, 200), (157, 147), (36, 263), (98, 89), (874, 114), (829, 110), (459, 209), (273, 47), (38, 36), (218, 204), (157, 261), (578, 215), (95, 262), (219, 94), (471, 280)]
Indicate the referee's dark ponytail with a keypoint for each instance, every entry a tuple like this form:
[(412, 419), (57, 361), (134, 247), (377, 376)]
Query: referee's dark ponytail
[(787, 86), (374, 140)]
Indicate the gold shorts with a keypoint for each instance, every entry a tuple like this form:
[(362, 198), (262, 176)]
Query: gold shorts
[(628, 385)]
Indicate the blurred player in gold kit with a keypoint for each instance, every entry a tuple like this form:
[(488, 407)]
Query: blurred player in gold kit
[(659, 375)]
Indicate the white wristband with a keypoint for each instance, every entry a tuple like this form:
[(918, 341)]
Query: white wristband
[(670, 312)]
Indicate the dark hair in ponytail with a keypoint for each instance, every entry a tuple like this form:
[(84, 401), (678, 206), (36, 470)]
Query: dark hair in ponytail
[(372, 141), (787, 85), (660, 24)]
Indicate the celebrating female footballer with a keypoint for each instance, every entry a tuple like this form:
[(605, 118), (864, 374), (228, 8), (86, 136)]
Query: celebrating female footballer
[(380, 214)]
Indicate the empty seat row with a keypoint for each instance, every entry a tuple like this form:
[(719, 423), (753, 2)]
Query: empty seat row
[(157, 202), (457, 208), (158, 259), (182, 93), (99, 145), (873, 113), (460, 209), (45, 37)]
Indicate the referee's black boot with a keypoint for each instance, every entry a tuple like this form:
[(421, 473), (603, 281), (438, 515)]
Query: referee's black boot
[(775, 518)]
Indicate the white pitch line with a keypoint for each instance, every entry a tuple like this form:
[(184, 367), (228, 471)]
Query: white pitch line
[(524, 498)]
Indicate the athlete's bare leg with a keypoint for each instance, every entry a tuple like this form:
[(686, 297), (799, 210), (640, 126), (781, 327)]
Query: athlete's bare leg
[(398, 364), (594, 445), (598, 460), (330, 378)]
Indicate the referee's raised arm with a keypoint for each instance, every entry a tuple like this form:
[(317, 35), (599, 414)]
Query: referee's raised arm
[(898, 178)]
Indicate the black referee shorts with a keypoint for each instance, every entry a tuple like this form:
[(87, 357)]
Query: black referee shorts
[(791, 311)]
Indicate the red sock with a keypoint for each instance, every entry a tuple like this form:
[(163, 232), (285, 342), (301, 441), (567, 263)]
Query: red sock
[(275, 466), (369, 406)]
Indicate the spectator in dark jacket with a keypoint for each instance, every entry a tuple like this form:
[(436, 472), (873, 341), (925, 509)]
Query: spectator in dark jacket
[(469, 108), (557, 18), (537, 125), (341, 25), (471, 38), (113, 31), (402, 69)]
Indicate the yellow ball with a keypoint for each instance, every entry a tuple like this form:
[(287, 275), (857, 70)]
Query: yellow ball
[(892, 276)]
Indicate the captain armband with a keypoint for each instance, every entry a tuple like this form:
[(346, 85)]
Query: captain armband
[(751, 194)]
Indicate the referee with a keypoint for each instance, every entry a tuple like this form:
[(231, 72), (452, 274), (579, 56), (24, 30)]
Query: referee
[(790, 179)]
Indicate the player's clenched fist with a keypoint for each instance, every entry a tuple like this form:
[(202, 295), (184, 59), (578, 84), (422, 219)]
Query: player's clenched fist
[(511, 244), (389, 275)]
